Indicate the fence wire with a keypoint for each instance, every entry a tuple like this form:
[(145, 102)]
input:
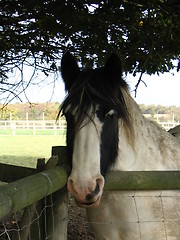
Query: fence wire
[(29, 223), (140, 215), (147, 215)]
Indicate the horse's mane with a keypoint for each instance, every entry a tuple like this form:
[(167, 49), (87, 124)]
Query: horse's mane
[(91, 89)]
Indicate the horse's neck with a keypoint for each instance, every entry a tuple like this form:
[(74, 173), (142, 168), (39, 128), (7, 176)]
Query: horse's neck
[(153, 148)]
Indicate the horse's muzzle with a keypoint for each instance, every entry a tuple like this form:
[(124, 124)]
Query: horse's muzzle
[(88, 193)]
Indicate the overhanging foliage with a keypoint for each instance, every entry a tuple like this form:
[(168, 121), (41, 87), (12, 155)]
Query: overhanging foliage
[(146, 34)]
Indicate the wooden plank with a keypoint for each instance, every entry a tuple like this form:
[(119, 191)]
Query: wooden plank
[(9, 173), (61, 152), (143, 180), (21, 193)]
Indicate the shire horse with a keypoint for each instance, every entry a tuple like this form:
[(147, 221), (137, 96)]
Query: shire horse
[(107, 131)]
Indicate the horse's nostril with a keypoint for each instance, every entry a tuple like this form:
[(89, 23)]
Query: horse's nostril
[(96, 190), (71, 181), (89, 197), (100, 183)]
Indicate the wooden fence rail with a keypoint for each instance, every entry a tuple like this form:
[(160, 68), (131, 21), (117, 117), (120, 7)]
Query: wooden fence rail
[(29, 190), (143, 180), (24, 192), (36, 125), (32, 126), (10, 173)]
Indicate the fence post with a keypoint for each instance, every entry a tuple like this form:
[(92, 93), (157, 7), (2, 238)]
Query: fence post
[(14, 128), (57, 216), (55, 129), (29, 229), (34, 129)]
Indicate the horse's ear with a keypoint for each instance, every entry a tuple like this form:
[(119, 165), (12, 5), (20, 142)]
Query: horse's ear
[(113, 68), (69, 70)]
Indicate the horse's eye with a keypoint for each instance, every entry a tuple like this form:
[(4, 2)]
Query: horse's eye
[(110, 113)]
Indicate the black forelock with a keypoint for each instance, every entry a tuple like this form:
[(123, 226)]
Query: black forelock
[(92, 88)]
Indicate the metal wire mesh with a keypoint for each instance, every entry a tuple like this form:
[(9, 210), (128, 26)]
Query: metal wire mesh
[(143, 215)]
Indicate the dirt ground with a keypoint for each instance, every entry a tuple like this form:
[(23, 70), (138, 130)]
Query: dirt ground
[(78, 228)]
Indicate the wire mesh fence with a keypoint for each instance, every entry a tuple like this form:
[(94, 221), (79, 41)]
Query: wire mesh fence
[(24, 223), (34, 207), (144, 215), (35, 222), (153, 215), (34, 227), (141, 215), (130, 214)]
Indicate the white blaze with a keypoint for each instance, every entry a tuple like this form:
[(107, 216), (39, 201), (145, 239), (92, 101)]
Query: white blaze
[(86, 152)]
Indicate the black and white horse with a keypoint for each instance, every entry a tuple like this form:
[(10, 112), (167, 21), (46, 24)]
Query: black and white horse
[(107, 131)]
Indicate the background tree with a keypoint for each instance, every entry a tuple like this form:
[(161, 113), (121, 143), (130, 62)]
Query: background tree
[(49, 111), (146, 35)]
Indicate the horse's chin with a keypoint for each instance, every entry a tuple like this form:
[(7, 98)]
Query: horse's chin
[(88, 204)]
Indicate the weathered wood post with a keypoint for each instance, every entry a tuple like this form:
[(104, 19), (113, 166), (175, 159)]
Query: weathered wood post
[(36, 222), (28, 224), (24, 192), (57, 215)]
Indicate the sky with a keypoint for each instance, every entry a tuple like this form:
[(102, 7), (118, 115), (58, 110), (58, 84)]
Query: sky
[(160, 90)]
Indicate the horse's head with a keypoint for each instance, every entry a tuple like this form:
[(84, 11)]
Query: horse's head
[(93, 107)]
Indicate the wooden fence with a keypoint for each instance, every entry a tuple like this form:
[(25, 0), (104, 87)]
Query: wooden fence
[(31, 189), (168, 125), (34, 126), (52, 180), (38, 126)]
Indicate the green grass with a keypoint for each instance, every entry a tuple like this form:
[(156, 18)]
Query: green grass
[(25, 150)]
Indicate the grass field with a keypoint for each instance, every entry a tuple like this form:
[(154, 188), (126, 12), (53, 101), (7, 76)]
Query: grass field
[(25, 150)]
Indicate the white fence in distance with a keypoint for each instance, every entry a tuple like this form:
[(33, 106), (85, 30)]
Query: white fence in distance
[(36, 125), (33, 125), (168, 125)]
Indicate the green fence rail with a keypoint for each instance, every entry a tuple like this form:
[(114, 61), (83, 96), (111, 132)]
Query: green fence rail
[(30, 189), (143, 180), (21, 193)]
